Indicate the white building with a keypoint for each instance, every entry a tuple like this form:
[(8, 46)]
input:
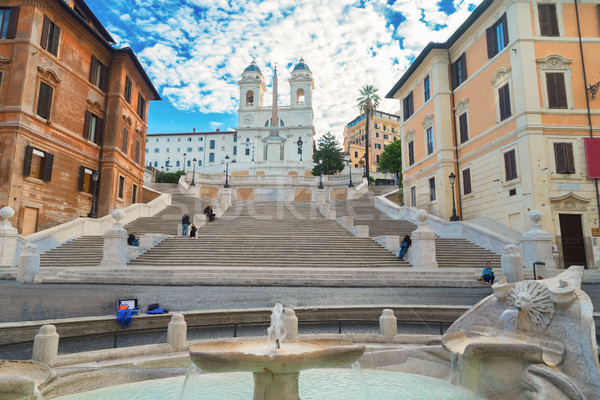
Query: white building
[(256, 147)]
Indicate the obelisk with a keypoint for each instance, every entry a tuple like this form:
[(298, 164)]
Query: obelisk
[(274, 131)]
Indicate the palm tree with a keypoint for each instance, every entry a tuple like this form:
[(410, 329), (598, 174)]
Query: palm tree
[(367, 104)]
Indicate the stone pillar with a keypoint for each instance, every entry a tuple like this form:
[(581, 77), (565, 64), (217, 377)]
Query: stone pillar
[(45, 345), (29, 264), (536, 244), (177, 333), (320, 196), (512, 264), (225, 196), (290, 322), (422, 252), (9, 238), (116, 250), (388, 324)]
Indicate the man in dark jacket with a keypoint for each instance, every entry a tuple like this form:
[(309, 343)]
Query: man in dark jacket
[(185, 222), (404, 245)]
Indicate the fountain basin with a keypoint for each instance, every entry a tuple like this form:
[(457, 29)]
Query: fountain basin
[(19, 379), (293, 356)]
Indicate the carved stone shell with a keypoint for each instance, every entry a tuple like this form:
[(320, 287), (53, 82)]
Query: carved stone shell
[(536, 308)]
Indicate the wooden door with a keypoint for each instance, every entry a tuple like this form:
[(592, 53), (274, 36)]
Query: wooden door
[(573, 246), (30, 218)]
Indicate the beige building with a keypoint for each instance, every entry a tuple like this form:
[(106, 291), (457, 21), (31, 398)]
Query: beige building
[(506, 107), (384, 129)]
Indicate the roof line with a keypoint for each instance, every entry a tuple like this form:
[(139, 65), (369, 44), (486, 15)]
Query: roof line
[(189, 133), (138, 65)]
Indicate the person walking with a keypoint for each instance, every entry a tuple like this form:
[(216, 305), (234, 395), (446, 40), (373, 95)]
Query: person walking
[(193, 231), (185, 223), (404, 245), (488, 274)]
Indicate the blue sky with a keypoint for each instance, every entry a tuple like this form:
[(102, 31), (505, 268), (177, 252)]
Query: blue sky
[(195, 51)]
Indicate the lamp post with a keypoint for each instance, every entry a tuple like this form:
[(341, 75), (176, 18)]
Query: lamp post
[(226, 172), (183, 173), (321, 176), (252, 152), (349, 164), (162, 173), (300, 148), (193, 172), (452, 178), (95, 176), (168, 163)]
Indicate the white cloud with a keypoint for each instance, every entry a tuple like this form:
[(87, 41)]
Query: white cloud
[(196, 50)]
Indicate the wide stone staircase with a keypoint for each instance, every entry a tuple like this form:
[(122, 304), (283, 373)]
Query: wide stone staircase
[(85, 251), (450, 253)]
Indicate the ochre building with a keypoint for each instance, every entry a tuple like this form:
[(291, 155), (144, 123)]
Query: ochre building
[(72, 108), (506, 106)]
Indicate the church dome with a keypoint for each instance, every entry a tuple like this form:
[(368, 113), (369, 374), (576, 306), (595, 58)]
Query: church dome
[(301, 66), (252, 68)]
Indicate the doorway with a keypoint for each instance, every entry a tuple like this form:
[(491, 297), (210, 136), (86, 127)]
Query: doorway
[(573, 245), (30, 219)]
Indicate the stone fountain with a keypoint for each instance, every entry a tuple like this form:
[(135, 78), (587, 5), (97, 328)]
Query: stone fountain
[(275, 363), (529, 340)]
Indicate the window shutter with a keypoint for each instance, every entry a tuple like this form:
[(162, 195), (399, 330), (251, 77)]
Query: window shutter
[(504, 100), (27, 161), (467, 181), (464, 132), (544, 19), (128, 89), (11, 30), (561, 91), (489, 34), (510, 165), (86, 125), (463, 70), (100, 132), (81, 177), (55, 38), (505, 29), (44, 100), (405, 107), (569, 157), (551, 89), (93, 67), (125, 140), (104, 78), (137, 151), (45, 29), (49, 91), (553, 20), (410, 103), (453, 75), (559, 158), (48, 161)]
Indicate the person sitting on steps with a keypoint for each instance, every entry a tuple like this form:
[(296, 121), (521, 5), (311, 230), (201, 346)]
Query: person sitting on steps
[(193, 231), (208, 211), (132, 240), (404, 245), (488, 274)]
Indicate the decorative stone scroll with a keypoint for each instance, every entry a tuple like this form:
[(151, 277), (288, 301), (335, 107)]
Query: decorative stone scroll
[(461, 106), (127, 120), (554, 62), (501, 76), (48, 76), (427, 121), (410, 135), (95, 107)]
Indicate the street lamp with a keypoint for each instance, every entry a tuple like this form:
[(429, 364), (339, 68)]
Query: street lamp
[(452, 178), (167, 163), (162, 173), (349, 164), (321, 176), (95, 176), (183, 173), (252, 152), (193, 172), (226, 172), (300, 148)]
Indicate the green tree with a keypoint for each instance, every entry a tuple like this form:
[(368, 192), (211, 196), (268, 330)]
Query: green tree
[(391, 160), (168, 177), (331, 151), (367, 104)]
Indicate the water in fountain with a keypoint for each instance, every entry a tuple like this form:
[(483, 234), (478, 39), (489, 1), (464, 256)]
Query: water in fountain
[(508, 322), (277, 329), (190, 380), (454, 362), (362, 381)]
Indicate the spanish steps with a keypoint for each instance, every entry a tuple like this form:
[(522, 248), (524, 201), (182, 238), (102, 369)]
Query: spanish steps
[(266, 243)]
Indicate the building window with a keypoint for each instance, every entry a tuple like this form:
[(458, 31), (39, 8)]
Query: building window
[(121, 185), (497, 37), (377, 146), (212, 144), (411, 152), (385, 137), (200, 163), (376, 133), (38, 164), (548, 20), (155, 164), (93, 128), (125, 141), (178, 163), (407, 106), (413, 196), (99, 74), (466, 181), (189, 149), (156, 150), (128, 89), (427, 88), (138, 147), (235, 150), (510, 165), (50, 36), (459, 71), (429, 140), (563, 156), (504, 102), (85, 180), (44, 100), (356, 154), (189, 163), (377, 156), (141, 109), (211, 157), (248, 152), (134, 194), (8, 22), (189, 139), (557, 92), (235, 137), (200, 148), (299, 150), (463, 128), (431, 189)]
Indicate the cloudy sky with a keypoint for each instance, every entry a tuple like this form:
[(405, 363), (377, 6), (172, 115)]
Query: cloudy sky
[(195, 51)]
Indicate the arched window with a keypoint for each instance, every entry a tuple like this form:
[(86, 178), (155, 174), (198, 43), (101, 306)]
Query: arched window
[(268, 122), (212, 144), (211, 157), (235, 150), (249, 98), (300, 96), (189, 163), (177, 163), (155, 164), (200, 163)]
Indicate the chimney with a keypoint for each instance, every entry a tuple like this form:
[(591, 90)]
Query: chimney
[(194, 130), (218, 130)]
